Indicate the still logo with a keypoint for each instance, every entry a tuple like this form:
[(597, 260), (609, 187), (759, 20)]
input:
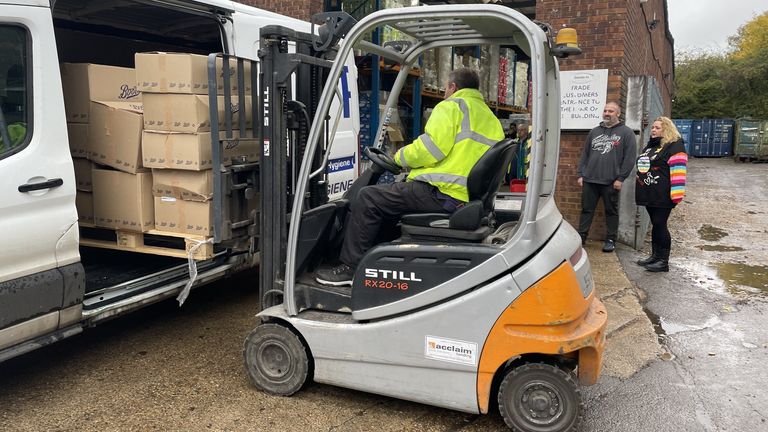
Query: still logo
[(391, 274)]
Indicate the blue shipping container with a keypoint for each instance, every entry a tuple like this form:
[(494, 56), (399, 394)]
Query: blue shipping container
[(685, 127), (712, 138)]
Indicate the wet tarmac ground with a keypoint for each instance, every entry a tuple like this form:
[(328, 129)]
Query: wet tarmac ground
[(709, 313), (180, 369)]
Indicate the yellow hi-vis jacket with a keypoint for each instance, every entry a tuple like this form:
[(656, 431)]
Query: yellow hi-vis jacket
[(459, 131)]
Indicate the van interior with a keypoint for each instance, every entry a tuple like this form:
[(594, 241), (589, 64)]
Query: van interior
[(110, 32)]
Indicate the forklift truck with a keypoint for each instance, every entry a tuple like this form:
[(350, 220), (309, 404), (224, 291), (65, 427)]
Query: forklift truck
[(451, 311)]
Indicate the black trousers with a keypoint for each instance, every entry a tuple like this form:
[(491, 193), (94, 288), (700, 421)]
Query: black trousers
[(590, 194), (660, 233), (380, 207)]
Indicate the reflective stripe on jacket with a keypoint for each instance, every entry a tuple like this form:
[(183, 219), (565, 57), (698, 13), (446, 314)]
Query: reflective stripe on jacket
[(459, 131)]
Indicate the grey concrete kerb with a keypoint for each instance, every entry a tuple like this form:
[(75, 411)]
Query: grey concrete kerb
[(631, 341)]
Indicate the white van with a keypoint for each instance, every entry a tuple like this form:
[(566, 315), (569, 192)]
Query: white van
[(51, 286)]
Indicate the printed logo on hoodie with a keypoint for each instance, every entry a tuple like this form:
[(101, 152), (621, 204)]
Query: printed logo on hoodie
[(605, 143)]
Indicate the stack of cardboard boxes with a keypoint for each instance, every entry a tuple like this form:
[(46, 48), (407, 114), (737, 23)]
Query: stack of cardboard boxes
[(176, 142), (103, 109), (141, 142)]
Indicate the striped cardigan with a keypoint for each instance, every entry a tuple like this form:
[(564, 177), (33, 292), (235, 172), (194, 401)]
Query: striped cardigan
[(677, 170)]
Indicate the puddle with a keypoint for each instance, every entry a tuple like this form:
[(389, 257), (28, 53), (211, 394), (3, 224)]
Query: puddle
[(720, 248), (656, 321), (710, 233), (740, 278), (664, 327), (671, 328)]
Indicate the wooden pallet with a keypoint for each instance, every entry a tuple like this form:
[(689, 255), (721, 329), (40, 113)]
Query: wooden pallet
[(151, 242)]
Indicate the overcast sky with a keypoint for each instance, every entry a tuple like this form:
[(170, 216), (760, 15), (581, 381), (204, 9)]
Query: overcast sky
[(706, 24)]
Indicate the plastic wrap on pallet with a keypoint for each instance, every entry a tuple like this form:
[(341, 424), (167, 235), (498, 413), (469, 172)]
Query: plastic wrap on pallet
[(485, 71), (459, 61), (444, 58), (391, 4), (501, 90), (429, 71), (493, 73), (474, 64), (510, 77), (521, 84)]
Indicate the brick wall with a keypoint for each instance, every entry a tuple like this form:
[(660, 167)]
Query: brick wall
[(300, 9), (613, 35)]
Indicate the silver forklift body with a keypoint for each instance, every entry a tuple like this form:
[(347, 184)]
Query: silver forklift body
[(447, 323)]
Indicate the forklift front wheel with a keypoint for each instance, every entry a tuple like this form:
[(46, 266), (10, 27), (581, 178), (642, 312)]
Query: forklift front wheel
[(540, 397), (276, 360)]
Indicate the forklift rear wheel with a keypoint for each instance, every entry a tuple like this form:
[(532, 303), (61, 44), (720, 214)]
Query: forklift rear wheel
[(276, 360), (539, 397)]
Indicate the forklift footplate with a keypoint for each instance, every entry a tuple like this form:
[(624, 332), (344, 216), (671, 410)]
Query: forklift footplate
[(151, 242)]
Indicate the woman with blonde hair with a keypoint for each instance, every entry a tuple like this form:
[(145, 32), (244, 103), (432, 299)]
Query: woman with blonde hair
[(661, 169)]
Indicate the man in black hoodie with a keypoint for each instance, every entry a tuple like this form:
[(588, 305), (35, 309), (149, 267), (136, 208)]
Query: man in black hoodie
[(607, 160)]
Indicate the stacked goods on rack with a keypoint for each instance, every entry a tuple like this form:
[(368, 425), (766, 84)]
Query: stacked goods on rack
[(520, 97), (429, 71), (501, 94), (484, 63)]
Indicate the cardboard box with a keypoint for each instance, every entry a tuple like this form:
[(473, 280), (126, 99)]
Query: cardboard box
[(122, 200), (114, 135), (84, 82), (188, 217), (83, 169), (188, 113), (185, 185), (163, 72), (77, 134), (193, 152), (84, 205)]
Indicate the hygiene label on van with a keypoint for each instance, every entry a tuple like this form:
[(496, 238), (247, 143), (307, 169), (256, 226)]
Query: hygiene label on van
[(450, 350), (341, 173), (341, 164)]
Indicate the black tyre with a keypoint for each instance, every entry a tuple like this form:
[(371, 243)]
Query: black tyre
[(276, 360), (538, 397)]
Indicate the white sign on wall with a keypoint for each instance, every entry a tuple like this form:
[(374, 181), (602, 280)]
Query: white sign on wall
[(582, 98)]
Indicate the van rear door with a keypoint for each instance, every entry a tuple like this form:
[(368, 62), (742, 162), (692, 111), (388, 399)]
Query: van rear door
[(38, 220)]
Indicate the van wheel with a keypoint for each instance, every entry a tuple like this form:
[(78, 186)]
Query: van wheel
[(276, 360), (538, 397)]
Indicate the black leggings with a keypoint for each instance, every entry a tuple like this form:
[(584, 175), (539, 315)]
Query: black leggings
[(660, 234)]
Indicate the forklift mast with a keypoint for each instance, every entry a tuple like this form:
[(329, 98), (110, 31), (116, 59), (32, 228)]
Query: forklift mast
[(294, 69)]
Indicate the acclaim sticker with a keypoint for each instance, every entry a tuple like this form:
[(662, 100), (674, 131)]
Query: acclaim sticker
[(450, 350)]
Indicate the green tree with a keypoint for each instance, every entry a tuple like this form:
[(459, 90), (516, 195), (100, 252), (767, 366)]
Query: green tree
[(750, 67), (700, 88), (734, 84)]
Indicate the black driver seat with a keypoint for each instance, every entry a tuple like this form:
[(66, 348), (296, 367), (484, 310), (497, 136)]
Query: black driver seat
[(473, 221)]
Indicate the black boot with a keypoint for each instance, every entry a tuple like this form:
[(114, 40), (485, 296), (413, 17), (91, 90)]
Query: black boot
[(651, 259), (662, 264)]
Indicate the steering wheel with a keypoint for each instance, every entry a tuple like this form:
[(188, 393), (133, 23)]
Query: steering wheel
[(381, 159)]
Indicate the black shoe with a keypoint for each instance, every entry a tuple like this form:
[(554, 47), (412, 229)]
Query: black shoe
[(661, 265), (609, 246), (340, 275), (650, 260)]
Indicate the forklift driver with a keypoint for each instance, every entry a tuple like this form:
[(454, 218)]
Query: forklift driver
[(459, 131)]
